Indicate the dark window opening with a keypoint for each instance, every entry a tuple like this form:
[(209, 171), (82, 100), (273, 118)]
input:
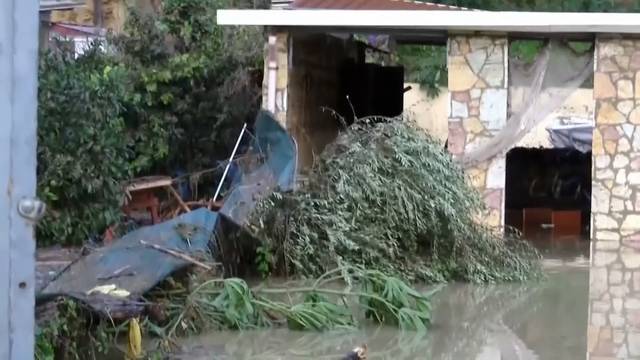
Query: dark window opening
[(548, 194)]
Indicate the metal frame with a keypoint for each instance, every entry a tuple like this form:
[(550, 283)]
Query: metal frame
[(18, 128)]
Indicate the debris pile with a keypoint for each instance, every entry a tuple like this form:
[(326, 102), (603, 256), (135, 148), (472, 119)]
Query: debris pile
[(163, 279), (383, 205), (386, 196)]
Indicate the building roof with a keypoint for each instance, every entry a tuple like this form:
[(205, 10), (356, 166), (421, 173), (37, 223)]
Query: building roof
[(371, 5), (422, 22), (50, 5)]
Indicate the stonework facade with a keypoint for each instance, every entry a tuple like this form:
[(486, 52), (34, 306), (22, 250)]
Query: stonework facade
[(614, 295), (478, 87)]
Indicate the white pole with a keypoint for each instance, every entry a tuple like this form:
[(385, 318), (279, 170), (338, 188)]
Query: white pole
[(19, 209), (226, 169)]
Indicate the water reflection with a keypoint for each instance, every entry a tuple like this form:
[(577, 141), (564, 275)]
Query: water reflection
[(545, 320)]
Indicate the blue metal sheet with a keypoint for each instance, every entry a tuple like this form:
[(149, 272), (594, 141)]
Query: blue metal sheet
[(276, 169), (273, 167), (144, 266)]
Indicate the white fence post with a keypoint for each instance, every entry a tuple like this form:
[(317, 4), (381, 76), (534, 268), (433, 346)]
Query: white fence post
[(18, 126)]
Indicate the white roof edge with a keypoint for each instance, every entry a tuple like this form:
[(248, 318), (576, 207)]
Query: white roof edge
[(491, 21), (51, 5)]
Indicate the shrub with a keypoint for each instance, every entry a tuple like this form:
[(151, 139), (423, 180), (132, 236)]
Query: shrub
[(83, 151), (168, 96), (386, 196)]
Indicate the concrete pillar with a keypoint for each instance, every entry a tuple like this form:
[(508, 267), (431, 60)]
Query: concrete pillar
[(478, 91), (276, 76), (614, 291)]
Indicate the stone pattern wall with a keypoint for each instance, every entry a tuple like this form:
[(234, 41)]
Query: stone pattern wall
[(282, 77), (614, 291), (478, 87)]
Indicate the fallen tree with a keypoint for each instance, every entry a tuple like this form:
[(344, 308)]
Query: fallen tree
[(387, 196)]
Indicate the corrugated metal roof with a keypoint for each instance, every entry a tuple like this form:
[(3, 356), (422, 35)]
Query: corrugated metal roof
[(50, 5), (368, 5)]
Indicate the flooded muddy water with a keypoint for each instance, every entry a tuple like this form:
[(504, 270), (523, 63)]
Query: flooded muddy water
[(541, 320)]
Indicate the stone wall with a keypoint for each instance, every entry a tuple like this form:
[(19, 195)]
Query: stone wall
[(478, 87), (614, 295)]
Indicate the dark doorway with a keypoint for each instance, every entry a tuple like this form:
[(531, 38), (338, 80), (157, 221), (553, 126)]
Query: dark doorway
[(548, 194)]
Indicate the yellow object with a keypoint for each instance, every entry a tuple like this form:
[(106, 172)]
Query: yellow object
[(110, 289), (134, 350), (103, 289)]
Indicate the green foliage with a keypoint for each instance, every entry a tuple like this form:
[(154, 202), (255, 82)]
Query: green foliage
[(231, 304), (70, 335), (168, 97), (83, 146), (236, 305), (195, 81), (338, 299), (396, 302), (317, 312), (426, 65), (388, 197), (525, 50), (264, 261)]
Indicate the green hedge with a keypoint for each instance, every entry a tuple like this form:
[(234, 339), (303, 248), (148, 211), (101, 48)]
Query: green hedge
[(167, 95)]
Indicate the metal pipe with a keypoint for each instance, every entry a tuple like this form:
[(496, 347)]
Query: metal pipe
[(226, 169)]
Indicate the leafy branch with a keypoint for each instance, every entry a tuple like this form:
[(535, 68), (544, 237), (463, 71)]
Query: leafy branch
[(322, 305), (387, 196)]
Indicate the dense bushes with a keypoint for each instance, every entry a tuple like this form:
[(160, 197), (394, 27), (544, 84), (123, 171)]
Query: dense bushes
[(164, 97), (194, 80), (83, 151)]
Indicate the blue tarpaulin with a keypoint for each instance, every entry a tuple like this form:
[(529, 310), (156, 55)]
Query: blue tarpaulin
[(132, 266), (256, 179)]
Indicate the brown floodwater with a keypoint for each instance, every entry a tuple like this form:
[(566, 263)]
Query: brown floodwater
[(538, 320)]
